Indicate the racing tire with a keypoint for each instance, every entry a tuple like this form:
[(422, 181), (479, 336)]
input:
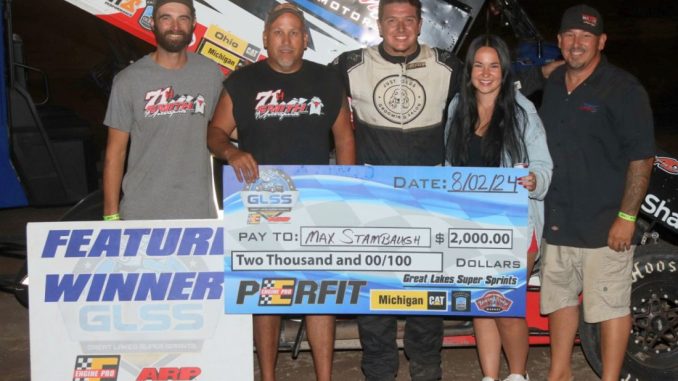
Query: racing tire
[(652, 352)]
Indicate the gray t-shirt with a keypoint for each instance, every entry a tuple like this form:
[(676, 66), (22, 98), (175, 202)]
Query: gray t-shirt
[(166, 112)]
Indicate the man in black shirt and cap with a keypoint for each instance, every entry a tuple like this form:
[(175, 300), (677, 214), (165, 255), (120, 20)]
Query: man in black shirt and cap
[(600, 134)]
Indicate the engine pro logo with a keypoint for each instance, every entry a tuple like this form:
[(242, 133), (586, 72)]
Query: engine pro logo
[(277, 292), (493, 302), (96, 368)]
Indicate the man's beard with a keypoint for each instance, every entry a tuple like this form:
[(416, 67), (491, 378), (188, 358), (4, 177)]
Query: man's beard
[(172, 45)]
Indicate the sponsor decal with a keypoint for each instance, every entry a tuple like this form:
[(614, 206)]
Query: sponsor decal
[(437, 300), (667, 164), (127, 7), (271, 196), (416, 65), (96, 368), (588, 107), (219, 55), (399, 98), (163, 102), (408, 300), (164, 374), (657, 208), (461, 301), (276, 292), (272, 104), (287, 291), (232, 42), (589, 19), (493, 302), (147, 15), (357, 19)]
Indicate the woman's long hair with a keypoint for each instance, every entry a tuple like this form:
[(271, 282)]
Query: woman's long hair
[(505, 134)]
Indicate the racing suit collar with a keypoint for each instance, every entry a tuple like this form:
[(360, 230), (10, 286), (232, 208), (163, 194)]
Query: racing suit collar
[(398, 59)]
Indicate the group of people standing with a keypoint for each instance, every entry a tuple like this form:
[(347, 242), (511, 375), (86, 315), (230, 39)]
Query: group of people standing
[(588, 150)]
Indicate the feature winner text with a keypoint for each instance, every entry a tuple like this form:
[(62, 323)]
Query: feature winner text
[(127, 278)]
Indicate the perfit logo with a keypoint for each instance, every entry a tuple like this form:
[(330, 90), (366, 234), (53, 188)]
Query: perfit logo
[(273, 292)]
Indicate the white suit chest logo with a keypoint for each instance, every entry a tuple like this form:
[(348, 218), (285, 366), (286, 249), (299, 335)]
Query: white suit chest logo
[(399, 98)]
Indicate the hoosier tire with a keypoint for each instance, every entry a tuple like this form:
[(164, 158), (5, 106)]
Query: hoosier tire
[(652, 353)]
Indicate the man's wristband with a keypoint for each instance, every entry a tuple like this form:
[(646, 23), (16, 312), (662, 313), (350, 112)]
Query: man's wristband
[(112, 217), (626, 217)]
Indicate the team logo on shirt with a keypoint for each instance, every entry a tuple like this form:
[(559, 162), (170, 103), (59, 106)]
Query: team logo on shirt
[(163, 102), (589, 107), (399, 98), (272, 104)]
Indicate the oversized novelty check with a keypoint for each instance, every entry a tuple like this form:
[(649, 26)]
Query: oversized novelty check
[(376, 240)]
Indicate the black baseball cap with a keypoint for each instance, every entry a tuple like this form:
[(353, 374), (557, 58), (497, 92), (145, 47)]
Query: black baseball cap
[(160, 3), (582, 17), (279, 9)]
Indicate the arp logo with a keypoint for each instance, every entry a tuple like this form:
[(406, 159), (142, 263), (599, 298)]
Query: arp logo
[(437, 300), (166, 374)]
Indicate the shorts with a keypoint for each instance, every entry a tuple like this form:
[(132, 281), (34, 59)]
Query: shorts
[(601, 275)]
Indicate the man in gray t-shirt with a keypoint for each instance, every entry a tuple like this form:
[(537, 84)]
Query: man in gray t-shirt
[(161, 105)]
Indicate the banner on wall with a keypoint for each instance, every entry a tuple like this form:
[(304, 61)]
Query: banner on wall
[(376, 240), (133, 300), (230, 32)]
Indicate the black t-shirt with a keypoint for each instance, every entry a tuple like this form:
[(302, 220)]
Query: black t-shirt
[(285, 118), (475, 152), (593, 133)]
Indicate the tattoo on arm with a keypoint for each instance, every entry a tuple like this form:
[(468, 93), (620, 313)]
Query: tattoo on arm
[(637, 181)]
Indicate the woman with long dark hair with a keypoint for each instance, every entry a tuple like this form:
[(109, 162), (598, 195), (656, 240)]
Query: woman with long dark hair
[(490, 124)]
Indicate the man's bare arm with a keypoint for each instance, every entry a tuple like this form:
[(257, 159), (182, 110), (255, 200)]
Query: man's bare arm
[(219, 131), (344, 140), (114, 166), (637, 181)]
